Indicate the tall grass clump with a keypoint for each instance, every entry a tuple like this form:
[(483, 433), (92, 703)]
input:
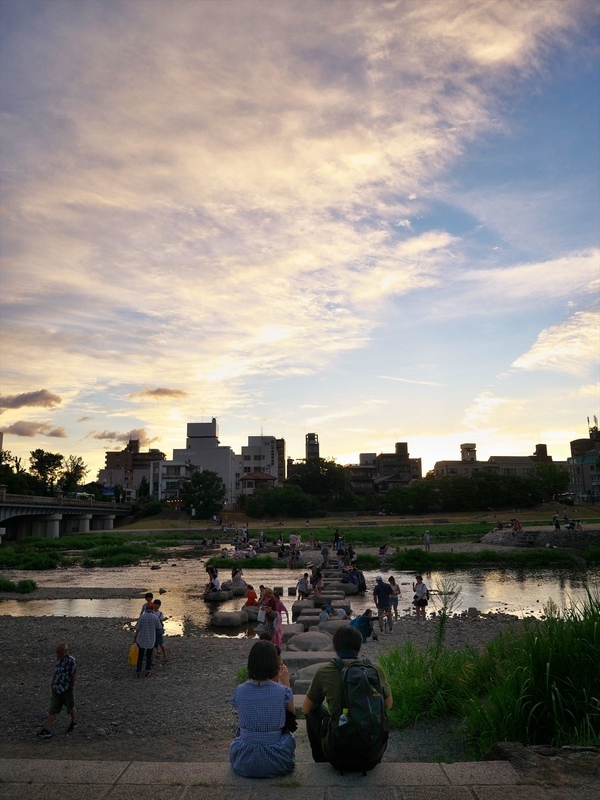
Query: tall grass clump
[(23, 587), (428, 682), (368, 561), (544, 685)]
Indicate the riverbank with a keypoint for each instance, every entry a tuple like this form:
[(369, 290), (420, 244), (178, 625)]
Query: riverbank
[(182, 712)]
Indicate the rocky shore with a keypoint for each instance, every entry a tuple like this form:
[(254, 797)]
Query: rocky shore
[(182, 712)]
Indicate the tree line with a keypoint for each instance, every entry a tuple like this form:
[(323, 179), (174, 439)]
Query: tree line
[(47, 473), (320, 486)]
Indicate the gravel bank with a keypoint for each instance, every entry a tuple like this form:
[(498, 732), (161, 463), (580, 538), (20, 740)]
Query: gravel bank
[(182, 712)]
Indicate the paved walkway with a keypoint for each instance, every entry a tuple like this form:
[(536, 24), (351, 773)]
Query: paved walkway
[(44, 779)]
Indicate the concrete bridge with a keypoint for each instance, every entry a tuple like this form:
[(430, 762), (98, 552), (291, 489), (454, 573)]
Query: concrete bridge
[(24, 515)]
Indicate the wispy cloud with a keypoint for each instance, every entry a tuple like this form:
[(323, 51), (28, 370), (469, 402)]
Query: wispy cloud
[(40, 398), (572, 346), (409, 380), (484, 411), (29, 428), (84, 419)]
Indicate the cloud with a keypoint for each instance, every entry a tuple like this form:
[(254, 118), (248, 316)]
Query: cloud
[(589, 390), (159, 393), (489, 291), (571, 346), (409, 380), (30, 429), (84, 419), (115, 436), (40, 398), (484, 410)]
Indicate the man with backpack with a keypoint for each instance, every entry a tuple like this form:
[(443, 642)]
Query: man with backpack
[(382, 597), (352, 732)]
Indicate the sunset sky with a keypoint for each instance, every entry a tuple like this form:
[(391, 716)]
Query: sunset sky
[(378, 221)]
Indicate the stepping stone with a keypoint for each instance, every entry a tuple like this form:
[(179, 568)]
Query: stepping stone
[(296, 661)]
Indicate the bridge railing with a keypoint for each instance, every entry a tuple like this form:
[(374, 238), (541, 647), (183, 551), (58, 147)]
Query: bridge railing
[(28, 499)]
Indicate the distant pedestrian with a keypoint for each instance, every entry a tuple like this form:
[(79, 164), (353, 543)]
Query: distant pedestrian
[(427, 541), (382, 594), (302, 587), (556, 521), (62, 685), (160, 632), (145, 638), (396, 593), (420, 599)]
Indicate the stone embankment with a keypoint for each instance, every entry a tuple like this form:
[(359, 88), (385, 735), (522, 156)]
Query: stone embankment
[(544, 537)]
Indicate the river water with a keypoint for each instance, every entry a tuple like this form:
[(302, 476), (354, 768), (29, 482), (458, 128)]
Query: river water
[(489, 590)]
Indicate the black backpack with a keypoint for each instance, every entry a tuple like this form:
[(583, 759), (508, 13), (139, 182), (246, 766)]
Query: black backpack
[(358, 744)]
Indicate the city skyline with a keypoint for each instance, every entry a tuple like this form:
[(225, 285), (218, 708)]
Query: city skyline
[(375, 221)]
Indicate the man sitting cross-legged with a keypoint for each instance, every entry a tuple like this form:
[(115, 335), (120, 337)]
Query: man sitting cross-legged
[(351, 732)]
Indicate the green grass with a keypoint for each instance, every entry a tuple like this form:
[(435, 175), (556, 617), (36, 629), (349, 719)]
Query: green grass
[(241, 675), (367, 561), (23, 587), (428, 684), (419, 561), (538, 685)]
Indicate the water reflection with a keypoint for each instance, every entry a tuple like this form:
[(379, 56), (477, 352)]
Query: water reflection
[(511, 591)]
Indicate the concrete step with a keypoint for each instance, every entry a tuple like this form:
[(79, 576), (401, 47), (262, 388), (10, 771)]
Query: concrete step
[(53, 779)]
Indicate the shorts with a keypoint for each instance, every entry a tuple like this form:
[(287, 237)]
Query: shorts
[(386, 610), (66, 699), (421, 603), (159, 638), (394, 602)]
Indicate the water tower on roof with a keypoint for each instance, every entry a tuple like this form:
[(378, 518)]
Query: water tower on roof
[(468, 452)]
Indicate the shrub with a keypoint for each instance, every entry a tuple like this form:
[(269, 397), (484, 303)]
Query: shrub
[(24, 586), (368, 561)]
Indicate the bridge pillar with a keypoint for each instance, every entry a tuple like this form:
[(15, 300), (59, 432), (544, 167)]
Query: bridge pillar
[(52, 525), (109, 522), (84, 523)]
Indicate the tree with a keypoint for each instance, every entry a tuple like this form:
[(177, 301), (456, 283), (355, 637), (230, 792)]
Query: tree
[(550, 478), (204, 493), (72, 474), (45, 467), (319, 477), (143, 491)]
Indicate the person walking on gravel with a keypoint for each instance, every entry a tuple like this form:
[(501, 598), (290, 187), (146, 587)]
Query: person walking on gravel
[(65, 675), (145, 637)]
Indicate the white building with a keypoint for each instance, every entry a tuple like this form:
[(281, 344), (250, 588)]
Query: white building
[(260, 455), (204, 451)]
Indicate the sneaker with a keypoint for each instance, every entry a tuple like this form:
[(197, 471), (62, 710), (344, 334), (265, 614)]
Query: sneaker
[(72, 727), (44, 734)]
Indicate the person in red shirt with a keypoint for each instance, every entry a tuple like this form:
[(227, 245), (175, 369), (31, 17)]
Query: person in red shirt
[(251, 597)]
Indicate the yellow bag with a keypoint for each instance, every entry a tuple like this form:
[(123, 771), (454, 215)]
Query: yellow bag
[(133, 655)]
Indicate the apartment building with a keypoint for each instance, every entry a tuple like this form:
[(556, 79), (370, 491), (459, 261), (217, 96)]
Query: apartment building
[(384, 471), (520, 466), (583, 466)]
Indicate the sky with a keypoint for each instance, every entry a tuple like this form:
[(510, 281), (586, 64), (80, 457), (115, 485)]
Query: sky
[(376, 221)]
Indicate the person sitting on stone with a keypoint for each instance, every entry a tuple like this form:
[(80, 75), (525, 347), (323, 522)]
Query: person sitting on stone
[(263, 746), (326, 688)]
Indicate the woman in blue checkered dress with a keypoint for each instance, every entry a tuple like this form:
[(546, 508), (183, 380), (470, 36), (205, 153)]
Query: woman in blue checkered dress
[(263, 748)]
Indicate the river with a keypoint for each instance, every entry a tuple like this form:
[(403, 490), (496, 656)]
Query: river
[(516, 592)]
